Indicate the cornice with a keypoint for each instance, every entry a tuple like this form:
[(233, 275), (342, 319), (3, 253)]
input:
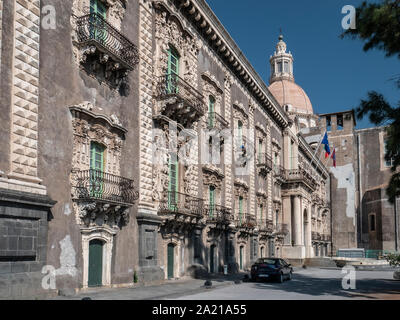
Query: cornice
[(201, 16)]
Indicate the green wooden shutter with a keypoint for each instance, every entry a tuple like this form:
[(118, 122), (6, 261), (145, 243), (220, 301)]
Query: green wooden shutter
[(96, 169), (240, 210), (173, 182), (95, 277), (212, 201), (170, 261), (98, 28), (211, 112), (172, 71)]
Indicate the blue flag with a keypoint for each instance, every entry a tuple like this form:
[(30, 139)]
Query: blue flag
[(325, 142)]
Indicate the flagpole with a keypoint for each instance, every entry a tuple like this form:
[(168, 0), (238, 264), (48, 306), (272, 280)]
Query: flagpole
[(330, 156), (316, 151)]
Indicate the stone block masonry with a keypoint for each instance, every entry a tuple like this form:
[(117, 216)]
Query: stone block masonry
[(25, 100)]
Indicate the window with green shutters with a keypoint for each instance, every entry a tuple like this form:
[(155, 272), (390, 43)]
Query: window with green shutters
[(211, 112), (173, 186), (172, 71), (98, 12), (260, 150), (97, 168), (212, 201)]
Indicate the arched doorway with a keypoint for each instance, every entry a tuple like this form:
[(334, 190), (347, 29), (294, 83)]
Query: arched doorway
[(262, 252), (171, 262), (95, 272), (212, 258), (305, 227)]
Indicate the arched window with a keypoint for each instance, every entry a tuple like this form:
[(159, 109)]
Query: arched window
[(240, 132)]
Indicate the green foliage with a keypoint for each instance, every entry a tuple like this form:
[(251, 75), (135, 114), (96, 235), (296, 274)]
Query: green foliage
[(393, 259), (378, 24)]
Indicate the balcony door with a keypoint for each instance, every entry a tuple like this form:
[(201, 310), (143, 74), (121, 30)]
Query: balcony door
[(98, 11), (96, 169), (173, 186), (211, 112), (212, 201), (172, 71), (241, 210)]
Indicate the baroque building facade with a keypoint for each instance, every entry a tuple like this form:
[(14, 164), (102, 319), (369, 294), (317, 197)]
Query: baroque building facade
[(143, 145)]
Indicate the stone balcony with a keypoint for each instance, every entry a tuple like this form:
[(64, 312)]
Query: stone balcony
[(104, 50), (301, 176), (264, 163), (279, 173), (178, 100), (103, 195), (265, 226)]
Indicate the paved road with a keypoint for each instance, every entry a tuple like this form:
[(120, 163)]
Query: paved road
[(310, 284)]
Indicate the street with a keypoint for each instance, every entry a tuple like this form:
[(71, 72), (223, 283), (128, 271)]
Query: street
[(310, 284), (307, 284)]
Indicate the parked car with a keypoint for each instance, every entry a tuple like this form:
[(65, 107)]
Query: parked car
[(271, 268)]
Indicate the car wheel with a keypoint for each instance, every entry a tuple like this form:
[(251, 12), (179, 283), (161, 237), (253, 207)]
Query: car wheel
[(280, 278)]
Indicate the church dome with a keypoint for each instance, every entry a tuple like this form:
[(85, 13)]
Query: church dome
[(288, 93)]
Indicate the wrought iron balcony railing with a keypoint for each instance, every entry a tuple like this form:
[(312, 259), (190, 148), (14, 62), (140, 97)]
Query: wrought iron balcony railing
[(176, 202), (264, 162), (216, 121), (93, 29), (183, 103), (95, 185), (246, 221), (217, 214), (300, 175)]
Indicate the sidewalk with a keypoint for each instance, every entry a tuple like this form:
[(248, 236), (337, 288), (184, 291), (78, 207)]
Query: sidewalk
[(169, 290)]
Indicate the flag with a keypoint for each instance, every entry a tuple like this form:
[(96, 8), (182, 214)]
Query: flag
[(334, 157), (325, 142)]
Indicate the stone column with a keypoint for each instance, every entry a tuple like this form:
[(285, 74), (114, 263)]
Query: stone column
[(297, 228), (308, 240), (287, 218)]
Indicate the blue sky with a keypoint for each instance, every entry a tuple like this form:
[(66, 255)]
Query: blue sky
[(336, 73)]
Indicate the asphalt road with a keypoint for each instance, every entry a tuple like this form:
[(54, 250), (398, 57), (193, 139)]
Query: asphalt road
[(310, 284)]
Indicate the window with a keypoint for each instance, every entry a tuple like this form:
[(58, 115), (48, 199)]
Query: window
[(172, 71), (261, 208), (96, 169), (391, 161), (372, 223), (279, 67), (212, 201), (328, 123), (173, 185), (339, 122), (240, 209), (286, 67), (240, 133), (260, 151), (211, 112), (98, 12)]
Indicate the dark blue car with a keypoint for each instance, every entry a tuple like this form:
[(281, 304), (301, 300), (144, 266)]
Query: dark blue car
[(271, 269)]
